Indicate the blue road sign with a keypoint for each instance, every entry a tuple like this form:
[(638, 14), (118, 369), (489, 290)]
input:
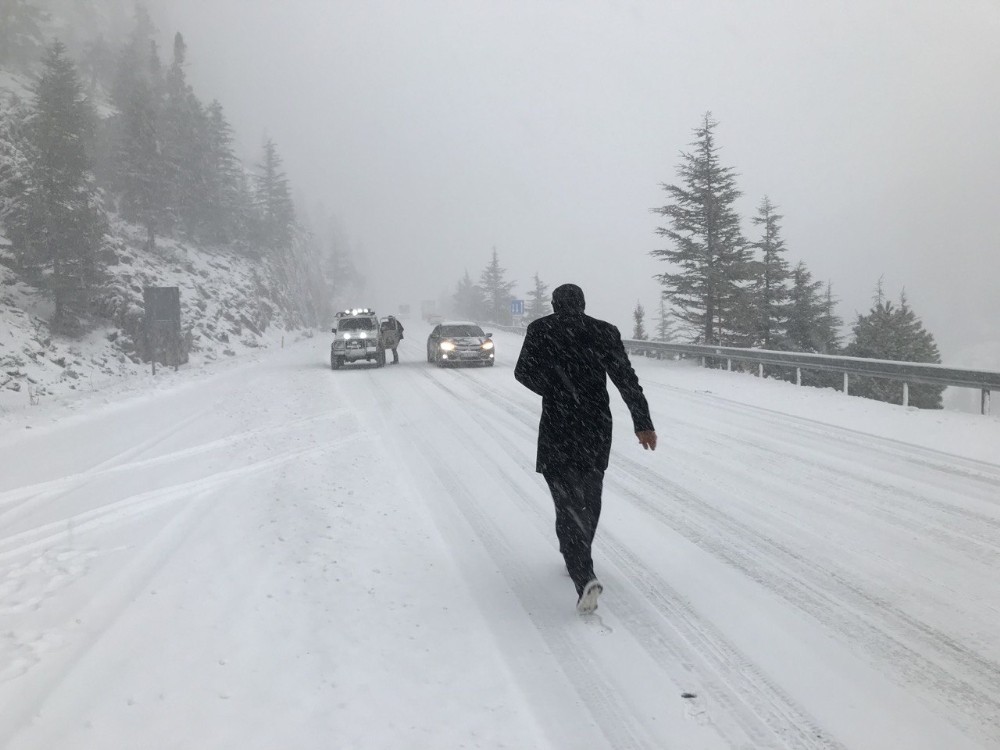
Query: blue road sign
[(517, 307)]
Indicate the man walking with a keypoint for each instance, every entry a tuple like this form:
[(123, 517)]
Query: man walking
[(566, 359)]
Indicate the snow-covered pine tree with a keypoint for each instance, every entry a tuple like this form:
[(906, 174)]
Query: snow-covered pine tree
[(770, 286), (895, 333), (812, 326), (708, 289), (273, 198), (639, 324), (137, 170), (60, 218), (15, 176), (227, 204), (829, 324), (539, 302), (496, 291), (184, 137), (805, 309)]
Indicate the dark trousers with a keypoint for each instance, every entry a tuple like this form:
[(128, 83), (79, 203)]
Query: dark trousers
[(395, 355), (577, 497)]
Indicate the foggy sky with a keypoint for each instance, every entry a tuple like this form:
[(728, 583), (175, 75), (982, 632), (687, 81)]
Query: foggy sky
[(436, 130)]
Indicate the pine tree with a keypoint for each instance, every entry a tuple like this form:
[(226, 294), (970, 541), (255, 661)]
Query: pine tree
[(894, 333), (468, 299), (177, 126), (275, 211), (63, 225), (806, 309), (665, 328), (828, 325), (15, 176), (138, 170), (227, 203), (21, 34), (770, 288), (496, 291), (639, 327), (709, 289), (539, 303)]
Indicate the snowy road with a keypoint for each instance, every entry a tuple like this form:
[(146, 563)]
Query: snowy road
[(280, 556)]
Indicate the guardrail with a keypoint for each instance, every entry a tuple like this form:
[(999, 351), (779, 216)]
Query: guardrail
[(904, 372)]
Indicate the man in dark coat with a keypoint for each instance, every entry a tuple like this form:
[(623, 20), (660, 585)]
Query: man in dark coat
[(566, 358), (393, 333)]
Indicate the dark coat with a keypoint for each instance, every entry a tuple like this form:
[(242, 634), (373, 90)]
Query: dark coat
[(566, 359)]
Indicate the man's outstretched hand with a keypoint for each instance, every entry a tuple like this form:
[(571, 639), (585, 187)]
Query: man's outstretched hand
[(647, 439)]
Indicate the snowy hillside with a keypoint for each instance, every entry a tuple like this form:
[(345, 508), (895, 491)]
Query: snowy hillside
[(226, 306), (275, 555), (230, 302)]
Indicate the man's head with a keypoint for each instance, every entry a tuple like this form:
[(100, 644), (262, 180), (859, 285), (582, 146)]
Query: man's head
[(568, 298)]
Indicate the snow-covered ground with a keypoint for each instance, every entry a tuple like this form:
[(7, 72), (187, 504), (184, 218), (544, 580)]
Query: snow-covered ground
[(268, 554)]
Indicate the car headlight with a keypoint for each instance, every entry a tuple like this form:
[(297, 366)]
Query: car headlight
[(347, 336), (447, 346), (487, 345), (363, 335)]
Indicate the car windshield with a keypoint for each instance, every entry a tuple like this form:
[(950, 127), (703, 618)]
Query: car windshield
[(461, 331), (355, 324)]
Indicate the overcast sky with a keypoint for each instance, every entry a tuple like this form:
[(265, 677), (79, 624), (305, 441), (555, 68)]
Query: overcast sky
[(438, 129)]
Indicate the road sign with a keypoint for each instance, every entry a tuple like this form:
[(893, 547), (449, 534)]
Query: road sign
[(517, 307)]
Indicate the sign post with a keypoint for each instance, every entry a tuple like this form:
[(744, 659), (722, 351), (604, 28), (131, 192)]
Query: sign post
[(162, 324)]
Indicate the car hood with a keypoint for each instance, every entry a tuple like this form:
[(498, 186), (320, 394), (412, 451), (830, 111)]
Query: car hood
[(466, 339)]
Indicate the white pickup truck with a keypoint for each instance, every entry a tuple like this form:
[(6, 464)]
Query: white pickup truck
[(357, 336)]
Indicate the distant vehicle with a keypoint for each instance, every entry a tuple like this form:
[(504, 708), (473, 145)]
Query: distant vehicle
[(460, 342), (428, 310), (357, 336)]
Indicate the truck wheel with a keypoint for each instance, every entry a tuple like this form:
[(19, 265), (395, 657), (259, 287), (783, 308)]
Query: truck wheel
[(380, 358), (336, 362)]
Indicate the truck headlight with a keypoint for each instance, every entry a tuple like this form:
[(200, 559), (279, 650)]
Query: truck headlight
[(487, 345), (447, 346)]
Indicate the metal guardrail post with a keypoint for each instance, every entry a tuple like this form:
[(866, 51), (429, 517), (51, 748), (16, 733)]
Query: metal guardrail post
[(847, 390), (798, 376), (906, 394), (985, 404)]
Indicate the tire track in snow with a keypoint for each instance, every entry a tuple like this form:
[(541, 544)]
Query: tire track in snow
[(761, 710), (919, 456), (970, 683), (616, 722), (967, 532), (971, 686), (136, 505), (27, 494)]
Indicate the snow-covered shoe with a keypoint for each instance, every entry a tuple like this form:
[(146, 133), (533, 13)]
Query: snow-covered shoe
[(588, 599)]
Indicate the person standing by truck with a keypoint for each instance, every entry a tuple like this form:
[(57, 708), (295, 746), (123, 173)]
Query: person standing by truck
[(392, 334)]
